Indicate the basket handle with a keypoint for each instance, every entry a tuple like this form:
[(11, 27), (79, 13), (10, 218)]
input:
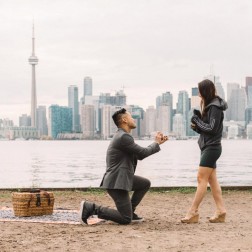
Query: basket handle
[(38, 201)]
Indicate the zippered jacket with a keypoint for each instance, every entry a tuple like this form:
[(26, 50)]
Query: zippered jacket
[(210, 127)]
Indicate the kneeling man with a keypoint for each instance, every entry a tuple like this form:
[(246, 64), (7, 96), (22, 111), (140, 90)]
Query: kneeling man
[(119, 178)]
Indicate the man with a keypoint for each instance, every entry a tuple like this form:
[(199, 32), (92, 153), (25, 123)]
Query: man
[(119, 179)]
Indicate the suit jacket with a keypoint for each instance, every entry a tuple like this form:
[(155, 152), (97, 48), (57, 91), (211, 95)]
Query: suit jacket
[(122, 156)]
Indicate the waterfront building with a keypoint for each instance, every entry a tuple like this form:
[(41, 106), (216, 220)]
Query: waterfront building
[(237, 104), (14, 132), (108, 128), (42, 121), (233, 132), (119, 99), (190, 132), (150, 120), (163, 119), (249, 90), (88, 121), (24, 120), (248, 115), (230, 87), (33, 61), (88, 86), (249, 131), (183, 106), (105, 99), (6, 122), (73, 103), (94, 100), (166, 99), (59, 120), (158, 101), (179, 124), (138, 114)]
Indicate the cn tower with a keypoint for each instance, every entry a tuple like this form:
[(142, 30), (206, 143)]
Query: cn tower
[(33, 60)]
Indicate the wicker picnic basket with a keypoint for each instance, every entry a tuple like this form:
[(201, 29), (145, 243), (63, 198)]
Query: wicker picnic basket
[(32, 203)]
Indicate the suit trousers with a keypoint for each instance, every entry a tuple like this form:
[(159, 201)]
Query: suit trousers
[(124, 204)]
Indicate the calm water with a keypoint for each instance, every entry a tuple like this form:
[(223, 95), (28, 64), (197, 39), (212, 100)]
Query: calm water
[(82, 163)]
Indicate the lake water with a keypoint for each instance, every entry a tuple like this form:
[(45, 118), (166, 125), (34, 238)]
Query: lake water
[(73, 164)]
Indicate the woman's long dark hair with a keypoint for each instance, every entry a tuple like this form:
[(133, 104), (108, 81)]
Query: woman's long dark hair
[(208, 93)]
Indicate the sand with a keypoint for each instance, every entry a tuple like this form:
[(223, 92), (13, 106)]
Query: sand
[(161, 230)]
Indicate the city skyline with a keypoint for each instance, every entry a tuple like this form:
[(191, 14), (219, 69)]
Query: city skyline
[(150, 51)]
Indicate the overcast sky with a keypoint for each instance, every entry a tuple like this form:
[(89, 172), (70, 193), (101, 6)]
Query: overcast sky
[(148, 46)]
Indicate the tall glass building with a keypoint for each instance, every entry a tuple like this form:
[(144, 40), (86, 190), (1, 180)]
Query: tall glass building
[(88, 86), (60, 120), (42, 121), (166, 99), (237, 105), (73, 103), (183, 106), (249, 90)]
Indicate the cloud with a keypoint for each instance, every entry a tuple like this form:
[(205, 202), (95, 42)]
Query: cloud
[(148, 46)]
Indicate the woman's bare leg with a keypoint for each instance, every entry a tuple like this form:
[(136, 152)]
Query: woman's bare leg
[(217, 193), (204, 174)]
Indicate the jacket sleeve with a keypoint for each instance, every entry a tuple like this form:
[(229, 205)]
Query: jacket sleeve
[(212, 126), (128, 145)]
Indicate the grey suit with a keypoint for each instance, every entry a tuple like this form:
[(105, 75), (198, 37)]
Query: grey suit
[(122, 156), (119, 178)]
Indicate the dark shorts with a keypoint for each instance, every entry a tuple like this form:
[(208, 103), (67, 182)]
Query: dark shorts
[(210, 155)]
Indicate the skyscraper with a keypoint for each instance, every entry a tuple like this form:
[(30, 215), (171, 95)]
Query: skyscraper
[(237, 104), (166, 99), (88, 86), (33, 60), (183, 106), (179, 125), (73, 103), (60, 120), (230, 88), (108, 128), (138, 115), (88, 120), (249, 90), (164, 119), (120, 98), (151, 117), (42, 121)]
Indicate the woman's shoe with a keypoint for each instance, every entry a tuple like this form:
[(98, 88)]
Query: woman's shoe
[(218, 218), (191, 217)]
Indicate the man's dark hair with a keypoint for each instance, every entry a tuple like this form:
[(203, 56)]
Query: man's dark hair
[(118, 115)]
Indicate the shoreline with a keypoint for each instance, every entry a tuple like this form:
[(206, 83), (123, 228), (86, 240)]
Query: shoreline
[(158, 189)]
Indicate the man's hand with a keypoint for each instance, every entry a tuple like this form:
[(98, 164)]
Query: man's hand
[(160, 138)]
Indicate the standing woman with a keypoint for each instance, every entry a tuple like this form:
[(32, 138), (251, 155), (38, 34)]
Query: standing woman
[(209, 124)]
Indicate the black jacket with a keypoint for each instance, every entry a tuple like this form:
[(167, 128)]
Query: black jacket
[(210, 127)]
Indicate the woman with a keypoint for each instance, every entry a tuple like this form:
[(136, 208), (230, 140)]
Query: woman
[(209, 124)]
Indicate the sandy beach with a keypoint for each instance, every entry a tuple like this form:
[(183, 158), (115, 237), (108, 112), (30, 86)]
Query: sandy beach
[(161, 230)]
